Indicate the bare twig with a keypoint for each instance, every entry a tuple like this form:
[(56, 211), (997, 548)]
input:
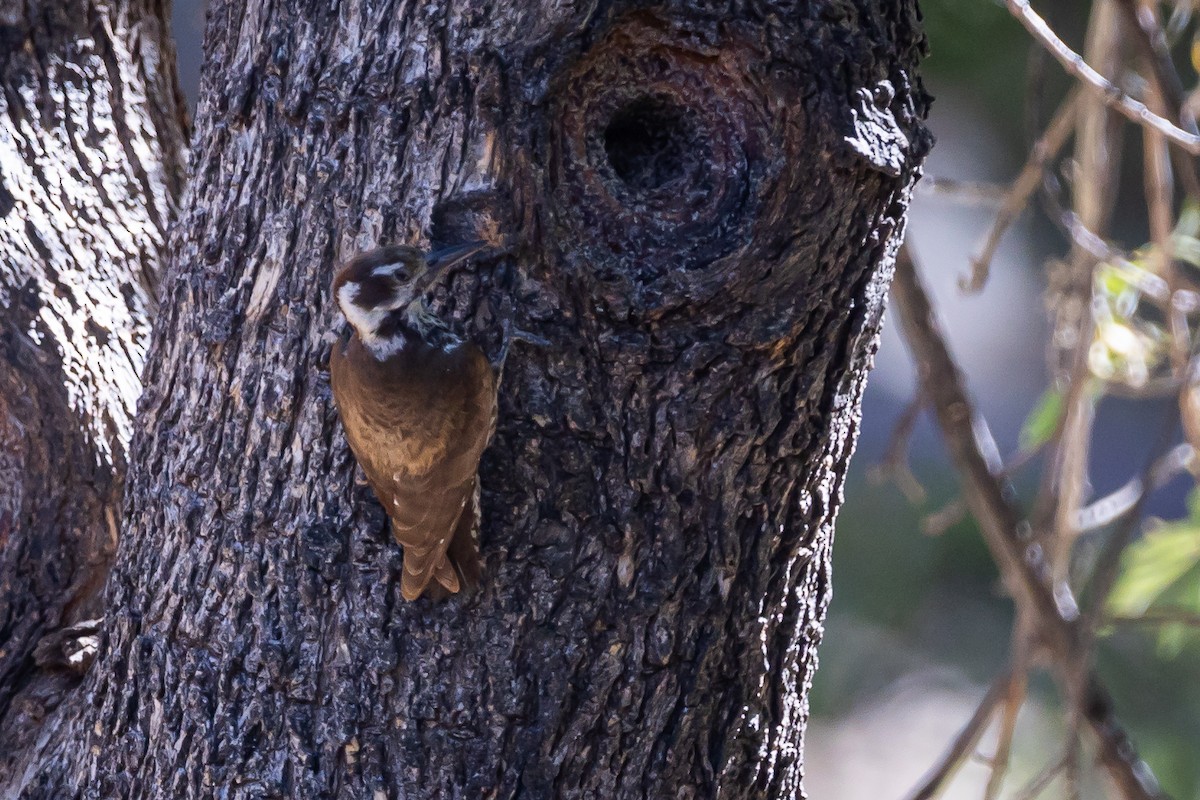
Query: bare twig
[(1158, 616), (1072, 458), (1107, 568), (1074, 765), (1097, 153), (1042, 780), (1152, 41), (1014, 699), (1166, 97), (1159, 189), (985, 493), (1045, 149), (1112, 95), (1005, 531), (1090, 242), (970, 193), (1111, 507), (894, 465), (964, 744), (944, 518)]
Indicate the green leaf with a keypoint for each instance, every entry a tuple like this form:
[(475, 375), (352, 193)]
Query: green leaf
[(1163, 567), (1043, 420), (1111, 281), (1189, 220), (1172, 639), (1186, 248)]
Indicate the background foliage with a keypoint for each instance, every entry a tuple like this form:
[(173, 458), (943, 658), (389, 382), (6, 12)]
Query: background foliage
[(919, 623)]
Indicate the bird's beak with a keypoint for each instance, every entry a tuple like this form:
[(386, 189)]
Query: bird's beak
[(438, 262)]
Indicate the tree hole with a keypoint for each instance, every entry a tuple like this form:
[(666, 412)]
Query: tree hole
[(650, 143)]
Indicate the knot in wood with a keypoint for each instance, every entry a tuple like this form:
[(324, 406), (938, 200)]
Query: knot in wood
[(666, 149)]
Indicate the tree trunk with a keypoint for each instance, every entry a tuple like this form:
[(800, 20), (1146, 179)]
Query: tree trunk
[(699, 210), (91, 148)]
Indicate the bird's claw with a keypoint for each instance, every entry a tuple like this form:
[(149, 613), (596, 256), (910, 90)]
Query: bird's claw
[(512, 334)]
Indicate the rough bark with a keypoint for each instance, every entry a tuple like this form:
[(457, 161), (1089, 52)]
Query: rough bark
[(701, 207), (90, 166)]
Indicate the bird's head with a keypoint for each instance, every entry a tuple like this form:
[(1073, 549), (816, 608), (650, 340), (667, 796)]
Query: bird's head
[(384, 288)]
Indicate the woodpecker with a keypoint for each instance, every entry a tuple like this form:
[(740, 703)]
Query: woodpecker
[(418, 404)]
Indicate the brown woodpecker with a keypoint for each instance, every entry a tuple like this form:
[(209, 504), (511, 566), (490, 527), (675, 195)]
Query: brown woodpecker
[(418, 404)]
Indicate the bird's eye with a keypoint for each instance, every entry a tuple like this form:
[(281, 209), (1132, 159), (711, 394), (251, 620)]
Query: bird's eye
[(400, 275)]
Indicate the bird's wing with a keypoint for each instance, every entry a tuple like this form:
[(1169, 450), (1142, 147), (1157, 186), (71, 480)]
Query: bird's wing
[(464, 552), (424, 518)]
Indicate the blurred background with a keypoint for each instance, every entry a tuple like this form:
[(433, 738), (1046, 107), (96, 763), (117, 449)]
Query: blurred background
[(918, 627)]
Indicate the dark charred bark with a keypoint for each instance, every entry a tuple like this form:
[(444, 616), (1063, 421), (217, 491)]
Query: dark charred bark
[(701, 207), (91, 155)]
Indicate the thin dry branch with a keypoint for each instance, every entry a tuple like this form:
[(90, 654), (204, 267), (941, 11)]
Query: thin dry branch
[(1071, 458), (1042, 780), (1097, 149), (1014, 699), (894, 465), (946, 517), (968, 193), (1006, 532), (1104, 574), (1158, 616), (985, 490), (1159, 190), (1111, 507), (964, 744), (1094, 245), (1112, 95), (1166, 97), (1152, 41), (1045, 149)]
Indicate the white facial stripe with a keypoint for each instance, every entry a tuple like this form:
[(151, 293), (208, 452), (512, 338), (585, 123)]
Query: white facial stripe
[(388, 269), (365, 321)]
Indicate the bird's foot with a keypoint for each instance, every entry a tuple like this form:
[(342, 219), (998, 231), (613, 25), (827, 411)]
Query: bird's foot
[(512, 334)]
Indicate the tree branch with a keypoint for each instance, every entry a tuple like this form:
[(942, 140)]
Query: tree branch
[(1006, 532), (894, 465), (1158, 616), (1108, 91), (1152, 41), (964, 744), (1111, 507), (1017, 197)]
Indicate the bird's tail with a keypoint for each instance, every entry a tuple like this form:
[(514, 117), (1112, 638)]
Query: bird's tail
[(459, 569)]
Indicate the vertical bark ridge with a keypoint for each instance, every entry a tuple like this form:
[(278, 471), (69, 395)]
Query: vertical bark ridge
[(91, 152)]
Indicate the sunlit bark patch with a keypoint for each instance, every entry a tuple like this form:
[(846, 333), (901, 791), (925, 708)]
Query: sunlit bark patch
[(88, 198)]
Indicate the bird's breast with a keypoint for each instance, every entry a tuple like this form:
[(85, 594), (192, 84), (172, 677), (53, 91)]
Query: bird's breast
[(412, 411)]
